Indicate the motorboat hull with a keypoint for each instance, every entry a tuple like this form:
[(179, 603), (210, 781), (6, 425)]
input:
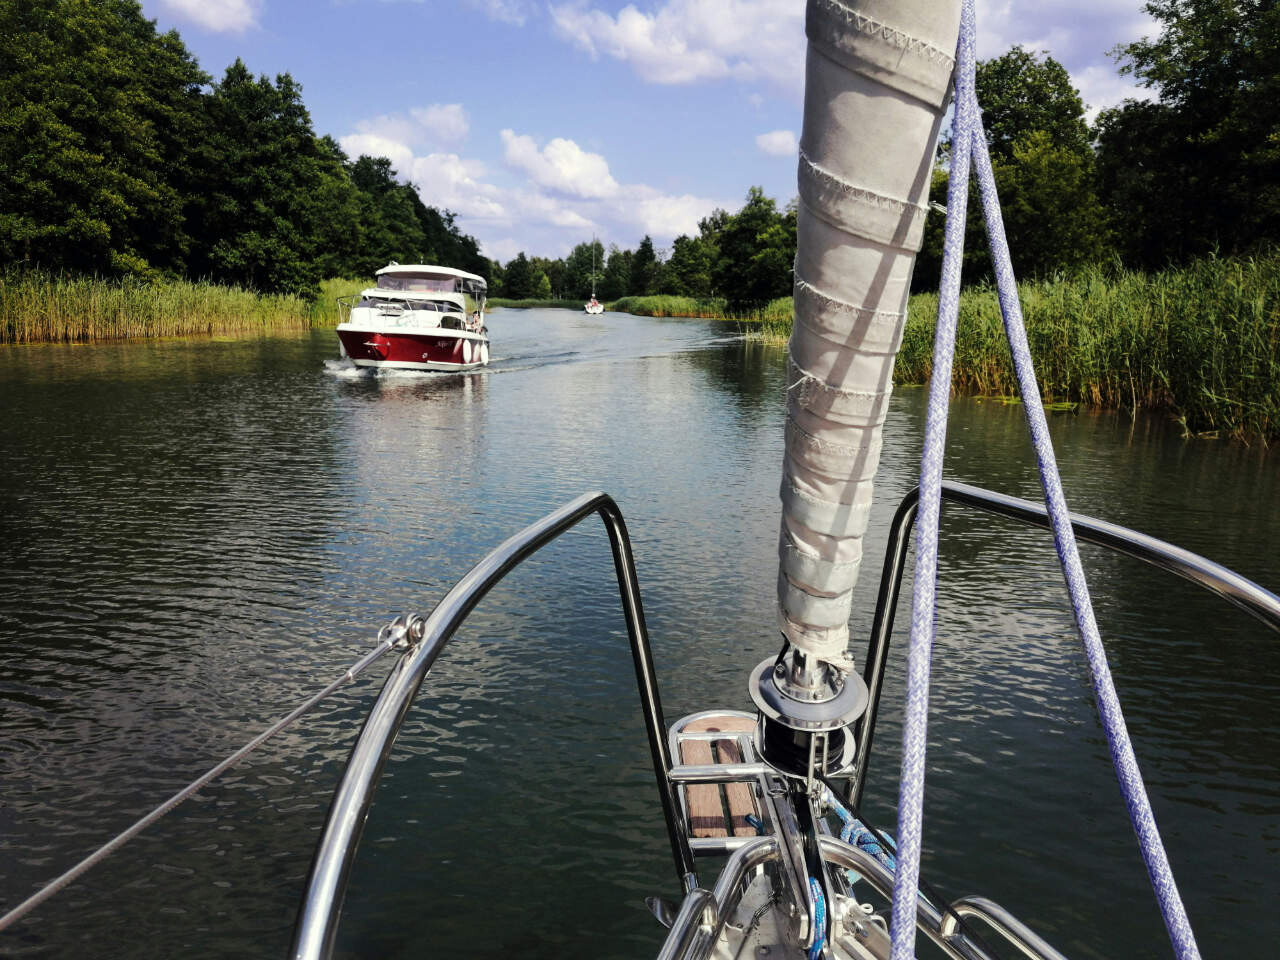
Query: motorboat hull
[(434, 349)]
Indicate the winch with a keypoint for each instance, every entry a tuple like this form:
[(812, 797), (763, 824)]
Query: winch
[(807, 707)]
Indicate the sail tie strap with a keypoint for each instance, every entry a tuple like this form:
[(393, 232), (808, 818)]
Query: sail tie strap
[(969, 141)]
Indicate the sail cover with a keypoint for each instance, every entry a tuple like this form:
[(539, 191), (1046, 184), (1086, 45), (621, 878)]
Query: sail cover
[(877, 78)]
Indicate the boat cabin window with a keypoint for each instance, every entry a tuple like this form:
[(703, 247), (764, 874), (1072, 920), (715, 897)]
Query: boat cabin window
[(400, 281)]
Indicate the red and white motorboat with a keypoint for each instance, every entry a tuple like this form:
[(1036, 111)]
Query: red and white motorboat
[(418, 317)]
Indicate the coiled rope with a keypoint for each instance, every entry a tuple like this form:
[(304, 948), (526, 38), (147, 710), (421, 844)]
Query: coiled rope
[(394, 634), (969, 142)]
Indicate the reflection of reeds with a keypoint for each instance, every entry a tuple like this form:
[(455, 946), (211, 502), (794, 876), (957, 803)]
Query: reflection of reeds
[(769, 319), (535, 304), (37, 307)]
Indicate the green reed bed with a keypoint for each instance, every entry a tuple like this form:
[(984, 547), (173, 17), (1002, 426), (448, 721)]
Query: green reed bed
[(39, 307), (324, 308), (770, 320), (669, 305), (1201, 343)]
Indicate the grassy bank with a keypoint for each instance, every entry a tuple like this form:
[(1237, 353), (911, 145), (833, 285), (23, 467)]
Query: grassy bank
[(775, 316), (40, 307), (1201, 343), (324, 309)]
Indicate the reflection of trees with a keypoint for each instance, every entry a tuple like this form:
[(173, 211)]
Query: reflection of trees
[(751, 372)]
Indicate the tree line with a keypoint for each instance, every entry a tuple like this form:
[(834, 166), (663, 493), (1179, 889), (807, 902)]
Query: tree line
[(121, 157), (1195, 171), (1150, 184), (744, 256)]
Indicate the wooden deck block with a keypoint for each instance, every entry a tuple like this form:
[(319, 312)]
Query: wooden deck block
[(706, 812), (742, 799), (707, 801)]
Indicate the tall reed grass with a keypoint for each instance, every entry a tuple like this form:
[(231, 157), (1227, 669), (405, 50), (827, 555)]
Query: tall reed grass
[(44, 307), (1201, 343), (775, 313), (324, 309)]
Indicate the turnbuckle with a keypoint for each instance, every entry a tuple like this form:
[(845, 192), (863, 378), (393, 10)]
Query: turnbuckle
[(404, 631)]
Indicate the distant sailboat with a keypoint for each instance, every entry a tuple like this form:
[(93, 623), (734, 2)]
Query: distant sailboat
[(593, 306)]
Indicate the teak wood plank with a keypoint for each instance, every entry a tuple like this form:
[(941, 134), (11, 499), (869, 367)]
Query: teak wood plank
[(742, 799), (740, 796), (706, 812), (721, 725)]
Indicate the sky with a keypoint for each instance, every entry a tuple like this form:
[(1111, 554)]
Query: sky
[(543, 124)]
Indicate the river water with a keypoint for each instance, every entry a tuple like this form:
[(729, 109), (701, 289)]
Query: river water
[(195, 535)]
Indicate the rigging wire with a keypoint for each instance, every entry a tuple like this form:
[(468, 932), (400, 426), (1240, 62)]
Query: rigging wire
[(930, 892), (969, 142), (388, 638)]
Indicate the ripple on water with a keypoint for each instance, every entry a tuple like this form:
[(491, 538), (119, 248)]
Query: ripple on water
[(195, 536)]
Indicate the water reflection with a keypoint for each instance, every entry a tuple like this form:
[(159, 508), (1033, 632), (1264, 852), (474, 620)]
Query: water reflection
[(195, 535)]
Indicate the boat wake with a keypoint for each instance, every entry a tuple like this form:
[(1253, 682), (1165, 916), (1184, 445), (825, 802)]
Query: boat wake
[(345, 369)]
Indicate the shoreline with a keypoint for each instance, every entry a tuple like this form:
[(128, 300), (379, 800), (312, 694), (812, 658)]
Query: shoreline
[(1200, 344)]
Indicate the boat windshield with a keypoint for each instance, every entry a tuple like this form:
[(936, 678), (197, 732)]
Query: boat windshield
[(400, 281)]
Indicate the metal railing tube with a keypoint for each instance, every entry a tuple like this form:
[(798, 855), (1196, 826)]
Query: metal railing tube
[(1214, 577), (928, 917), (719, 772), (1017, 933), (692, 939), (689, 930), (319, 914), (895, 560), (1244, 593)]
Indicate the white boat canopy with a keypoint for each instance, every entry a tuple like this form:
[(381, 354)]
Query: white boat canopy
[(428, 278)]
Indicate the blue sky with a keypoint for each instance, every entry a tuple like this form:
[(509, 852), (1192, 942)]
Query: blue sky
[(543, 123)]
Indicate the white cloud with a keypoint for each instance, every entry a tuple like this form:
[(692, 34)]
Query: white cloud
[(434, 126), (514, 12), (1101, 87), (778, 143), (446, 180), (563, 193), (445, 123), (389, 127), (376, 145), (685, 41), (661, 215), (1079, 34), (561, 165), (217, 15)]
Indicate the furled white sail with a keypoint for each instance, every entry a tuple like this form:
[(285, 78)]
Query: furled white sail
[(878, 77)]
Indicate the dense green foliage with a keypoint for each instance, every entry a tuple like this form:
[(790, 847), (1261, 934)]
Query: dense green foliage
[(1045, 174), (121, 160), (1198, 170), (743, 258)]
